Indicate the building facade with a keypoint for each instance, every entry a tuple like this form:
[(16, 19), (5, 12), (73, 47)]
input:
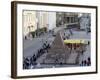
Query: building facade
[(34, 20), (67, 19), (85, 20)]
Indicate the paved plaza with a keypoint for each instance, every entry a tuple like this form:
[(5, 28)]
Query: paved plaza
[(31, 46)]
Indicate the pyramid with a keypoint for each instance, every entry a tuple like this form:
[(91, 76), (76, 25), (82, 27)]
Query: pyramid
[(57, 50), (58, 53), (58, 43)]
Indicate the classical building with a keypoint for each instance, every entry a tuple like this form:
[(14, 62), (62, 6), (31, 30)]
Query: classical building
[(67, 19), (34, 20), (85, 20), (29, 22)]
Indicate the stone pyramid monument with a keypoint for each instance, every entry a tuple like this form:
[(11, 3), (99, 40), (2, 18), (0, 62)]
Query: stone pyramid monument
[(58, 42), (56, 54), (59, 54)]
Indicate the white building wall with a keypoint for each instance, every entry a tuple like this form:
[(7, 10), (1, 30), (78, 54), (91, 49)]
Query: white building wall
[(29, 19), (43, 19), (51, 20), (38, 20)]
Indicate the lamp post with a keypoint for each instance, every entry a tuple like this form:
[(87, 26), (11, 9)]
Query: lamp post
[(30, 27), (37, 27)]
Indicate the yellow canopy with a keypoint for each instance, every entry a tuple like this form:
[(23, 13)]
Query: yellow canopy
[(74, 41)]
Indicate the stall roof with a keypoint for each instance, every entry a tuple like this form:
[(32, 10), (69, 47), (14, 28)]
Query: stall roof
[(74, 41)]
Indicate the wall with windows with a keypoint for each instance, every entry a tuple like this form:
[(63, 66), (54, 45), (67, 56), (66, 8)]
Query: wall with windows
[(51, 20), (85, 21), (29, 22), (33, 20), (42, 19)]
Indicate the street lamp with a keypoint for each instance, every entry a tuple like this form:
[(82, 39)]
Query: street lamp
[(37, 27), (29, 27)]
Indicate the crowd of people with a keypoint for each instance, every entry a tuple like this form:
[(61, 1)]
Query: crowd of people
[(78, 49), (31, 61), (86, 62)]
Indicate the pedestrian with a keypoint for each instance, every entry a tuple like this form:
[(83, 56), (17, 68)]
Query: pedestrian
[(25, 38), (27, 63), (70, 31), (88, 42), (82, 63), (85, 62), (88, 61), (82, 52)]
